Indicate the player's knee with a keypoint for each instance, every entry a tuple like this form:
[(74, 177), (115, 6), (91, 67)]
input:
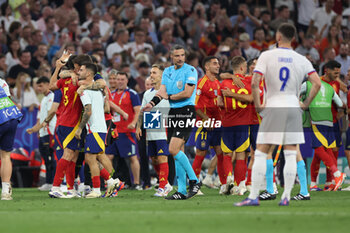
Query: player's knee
[(5, 155)]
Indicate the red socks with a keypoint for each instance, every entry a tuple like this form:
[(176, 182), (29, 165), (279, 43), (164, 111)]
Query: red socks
[(197, 164), (314, 168), (220, 168), (327, 159), (228, 167), (249, 177), (70, 175), (104, 174), (240, 171), (156, 168), (96, 182), (60, 172), (163, 174)]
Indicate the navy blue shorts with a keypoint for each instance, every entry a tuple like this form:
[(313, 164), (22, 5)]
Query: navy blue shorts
[(323, 136), (337, 134), (66, 137), (205, 138), (95, 143), (253, 135), (158, 148), (7, 135), (235, 138), (125, 144)]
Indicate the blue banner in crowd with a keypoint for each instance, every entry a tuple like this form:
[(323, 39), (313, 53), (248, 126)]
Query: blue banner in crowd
[(22, 139)]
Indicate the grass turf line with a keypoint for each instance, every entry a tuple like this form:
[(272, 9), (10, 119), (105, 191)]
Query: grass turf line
[(138, 211)]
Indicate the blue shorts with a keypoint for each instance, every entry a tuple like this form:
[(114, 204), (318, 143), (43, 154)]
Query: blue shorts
[(347, 146), (323, 136), (337, 134), (253, 130), (158, 148), (66, 137), (95, 143), (7, 135), (306, 148), (235, 138), (205, 138), (125, 144)]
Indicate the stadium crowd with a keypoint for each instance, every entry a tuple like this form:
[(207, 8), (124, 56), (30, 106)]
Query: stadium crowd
[(126, 38)]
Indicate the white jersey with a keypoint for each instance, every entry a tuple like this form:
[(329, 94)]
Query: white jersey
[(284, 71), (45, 106), (97, 122), (163, 107)]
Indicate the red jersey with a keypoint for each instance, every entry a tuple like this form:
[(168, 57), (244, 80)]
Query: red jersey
[(206, 97), (72, 106), (108, 116), (126, 100), (336, 86), (236, 112), (255, 117), (263, 46)]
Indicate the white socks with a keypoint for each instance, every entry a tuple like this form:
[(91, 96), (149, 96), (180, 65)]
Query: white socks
[(110, 182), (96, 190), (5, 187), (289, 172), (258, 173)]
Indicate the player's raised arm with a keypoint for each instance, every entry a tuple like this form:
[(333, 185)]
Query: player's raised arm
[(59, 64)]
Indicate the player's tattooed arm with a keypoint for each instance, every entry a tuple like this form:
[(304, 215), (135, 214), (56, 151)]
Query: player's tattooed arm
[(97, 85), (256, 91), (84, 120)]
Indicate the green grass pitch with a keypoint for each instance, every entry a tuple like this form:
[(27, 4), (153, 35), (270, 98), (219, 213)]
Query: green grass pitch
[(137, 211)]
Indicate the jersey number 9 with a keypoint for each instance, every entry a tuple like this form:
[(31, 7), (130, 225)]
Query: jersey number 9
[(284, 76)]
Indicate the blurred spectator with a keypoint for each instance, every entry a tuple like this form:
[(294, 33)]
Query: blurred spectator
[(41, 22), (73, 31), (152, 34), (3, 66), (208, 44), (96, 15), (305, 11), (40, 56), (196, 24), (283, 16), (14, 32), (50, 35), (120, 45), (193, 60), (332, 40), (22, 67), (12, 56), (307, 48), (328, 54), (26, 37), (163, 48), (131, 81), (65, 13), (6, 17), (139, 45), (244, 20), (259, 41), (322, 17), (37, 38), (343, 58), (248, 52), (86, 45), (35, 10), (143, 70), (24, 93), (25, 17)]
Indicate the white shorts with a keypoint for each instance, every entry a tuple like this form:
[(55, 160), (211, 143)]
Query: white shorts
[(281, 126)]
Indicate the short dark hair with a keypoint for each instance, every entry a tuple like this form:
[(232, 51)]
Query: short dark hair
[(123, 73), (332, 64), (159, 66), (177, 47), (48, 18), (70, 62), (90, 66), (43, 79), (287, 30), (14, 26), (250, 62), (237, 61), (81, 59), (282, 7), (24, 51), (208, 59)]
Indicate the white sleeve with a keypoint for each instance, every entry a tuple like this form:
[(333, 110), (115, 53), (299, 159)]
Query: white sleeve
[(144, 101), (261, 64), (308, 68), (6, 88), (337, 100), (85, 98)]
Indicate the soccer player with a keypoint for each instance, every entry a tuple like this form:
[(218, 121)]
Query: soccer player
[(236, 117), (158, 148), (128, 100), (332, 71), (45, 133), (323, 138), (178, 86), (208, 99), (94, 146), (283, 71), (9, 118)]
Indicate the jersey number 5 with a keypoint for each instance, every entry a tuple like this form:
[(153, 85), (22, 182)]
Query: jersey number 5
[(65, 101), (284, 76)]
